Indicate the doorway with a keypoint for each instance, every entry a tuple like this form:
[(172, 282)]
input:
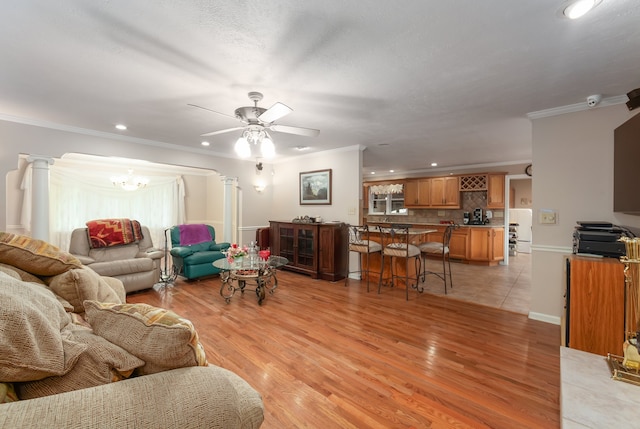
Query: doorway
[(518, 195)]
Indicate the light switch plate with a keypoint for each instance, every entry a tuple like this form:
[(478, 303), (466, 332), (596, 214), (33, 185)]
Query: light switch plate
[(547, 217)]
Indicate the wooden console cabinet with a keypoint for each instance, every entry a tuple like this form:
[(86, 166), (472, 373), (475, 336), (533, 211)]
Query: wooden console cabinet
[(594, 319), (316, 249)]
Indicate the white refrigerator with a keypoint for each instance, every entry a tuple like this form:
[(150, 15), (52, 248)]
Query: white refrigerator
[(524, 219)]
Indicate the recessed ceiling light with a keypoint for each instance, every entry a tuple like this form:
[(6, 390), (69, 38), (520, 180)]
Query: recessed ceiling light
[(301, 148), (121, 127), (391, 171), (434, 164), (373, 172), (205, 143), (578, 8)]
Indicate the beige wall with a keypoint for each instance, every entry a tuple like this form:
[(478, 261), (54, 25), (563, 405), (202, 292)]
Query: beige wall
[(572, 174), (346, 190), (522, 193)]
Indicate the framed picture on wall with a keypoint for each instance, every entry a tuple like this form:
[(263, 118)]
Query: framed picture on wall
[(315, 187)]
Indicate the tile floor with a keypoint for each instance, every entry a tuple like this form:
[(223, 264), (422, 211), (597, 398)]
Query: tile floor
[(504, 286)]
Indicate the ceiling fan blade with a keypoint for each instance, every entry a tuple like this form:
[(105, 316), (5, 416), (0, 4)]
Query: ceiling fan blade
[(209, 110), (275, 112), (308, 132), (228, 130)]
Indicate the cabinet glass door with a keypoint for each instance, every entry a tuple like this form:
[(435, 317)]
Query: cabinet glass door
[(306, 251), (286, 242)]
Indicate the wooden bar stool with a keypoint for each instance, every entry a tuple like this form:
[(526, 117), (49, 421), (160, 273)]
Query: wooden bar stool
[(359, 242)]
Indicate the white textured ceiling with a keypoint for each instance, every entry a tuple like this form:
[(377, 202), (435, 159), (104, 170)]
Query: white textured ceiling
[(414, 81)]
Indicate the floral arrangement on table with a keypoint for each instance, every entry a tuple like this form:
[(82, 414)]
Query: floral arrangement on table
[(235, 252)]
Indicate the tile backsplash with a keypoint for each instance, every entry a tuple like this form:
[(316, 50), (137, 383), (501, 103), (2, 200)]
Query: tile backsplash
[(469, 201)]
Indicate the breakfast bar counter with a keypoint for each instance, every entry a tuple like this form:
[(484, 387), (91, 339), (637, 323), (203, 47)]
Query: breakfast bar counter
[(470, 244)]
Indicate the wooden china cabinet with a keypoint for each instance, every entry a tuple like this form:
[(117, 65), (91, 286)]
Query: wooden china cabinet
[(316, 249)]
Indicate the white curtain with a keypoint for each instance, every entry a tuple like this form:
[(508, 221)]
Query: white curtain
[(77, 197), (387, 189)]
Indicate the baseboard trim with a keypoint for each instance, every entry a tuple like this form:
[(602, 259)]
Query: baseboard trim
[(554, 320)]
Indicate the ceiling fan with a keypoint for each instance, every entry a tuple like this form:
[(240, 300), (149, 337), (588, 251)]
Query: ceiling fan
[(257, 120)]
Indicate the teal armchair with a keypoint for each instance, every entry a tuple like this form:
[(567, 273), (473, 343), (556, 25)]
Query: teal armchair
[(193, 253)]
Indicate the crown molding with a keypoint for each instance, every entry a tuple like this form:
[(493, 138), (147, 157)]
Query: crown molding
[(578, 107)]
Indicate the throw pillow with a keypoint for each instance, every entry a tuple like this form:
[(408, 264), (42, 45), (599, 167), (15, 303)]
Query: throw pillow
[(80, 284), (25, 276), (101, 363), (161, 338), (35, 256), (30, 341), (7, 393)]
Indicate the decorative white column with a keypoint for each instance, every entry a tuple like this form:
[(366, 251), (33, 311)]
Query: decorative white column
[(228, 207), (40, 196)]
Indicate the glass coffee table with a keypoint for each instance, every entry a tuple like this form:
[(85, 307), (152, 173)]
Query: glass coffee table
[(236, 274)]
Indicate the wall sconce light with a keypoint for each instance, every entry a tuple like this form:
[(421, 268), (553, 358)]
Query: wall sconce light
[(259, 186)]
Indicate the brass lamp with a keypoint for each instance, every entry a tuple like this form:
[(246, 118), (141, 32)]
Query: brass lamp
[(628, 368), (632, 302)]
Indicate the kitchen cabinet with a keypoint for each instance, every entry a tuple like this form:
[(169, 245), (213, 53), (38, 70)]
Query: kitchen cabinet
[(594, 318), (459, 243), (445, 192), (486, 245), (495, 191), (434, 192), (319, 250), (417, 193)]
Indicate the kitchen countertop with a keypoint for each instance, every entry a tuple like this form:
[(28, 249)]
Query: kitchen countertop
[(590, 398), (426, 224)]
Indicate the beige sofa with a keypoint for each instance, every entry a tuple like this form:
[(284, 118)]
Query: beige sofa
[(136, 265), (74, 354)]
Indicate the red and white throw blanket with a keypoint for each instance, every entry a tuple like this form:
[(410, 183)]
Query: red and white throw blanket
[(113, 232)]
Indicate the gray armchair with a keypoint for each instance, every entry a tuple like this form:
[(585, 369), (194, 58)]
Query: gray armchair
[(137, 265)]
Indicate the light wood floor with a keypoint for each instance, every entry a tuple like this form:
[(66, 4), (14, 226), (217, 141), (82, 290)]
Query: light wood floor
[(504, 286), (328, 356)]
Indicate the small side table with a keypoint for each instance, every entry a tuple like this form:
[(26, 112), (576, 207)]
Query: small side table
[(235, 274)]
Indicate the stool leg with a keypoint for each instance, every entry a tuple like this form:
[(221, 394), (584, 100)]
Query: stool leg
[(406, 275), (444, 273), (381, 269), (449, 263), (367, 270)]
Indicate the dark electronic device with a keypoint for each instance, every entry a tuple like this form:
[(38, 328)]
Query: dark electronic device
[(634, 99), (600, 238)]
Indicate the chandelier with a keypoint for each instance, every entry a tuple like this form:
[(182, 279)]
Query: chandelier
[(256, 135), (129, 182)]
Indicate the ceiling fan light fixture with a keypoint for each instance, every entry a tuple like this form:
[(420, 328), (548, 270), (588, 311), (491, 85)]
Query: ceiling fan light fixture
[(275, 112), (579, 8), (257, 121), (267, 148), (242, 148)]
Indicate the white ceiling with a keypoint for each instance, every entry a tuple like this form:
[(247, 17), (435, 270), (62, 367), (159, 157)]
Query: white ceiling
[(415, 81)]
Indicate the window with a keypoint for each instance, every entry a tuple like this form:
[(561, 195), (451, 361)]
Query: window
[(386, 200)]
